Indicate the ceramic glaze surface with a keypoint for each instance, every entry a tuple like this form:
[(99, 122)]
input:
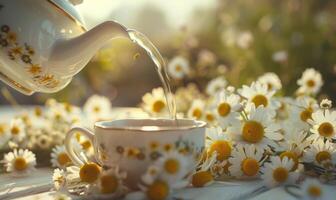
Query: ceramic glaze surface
[(126, 144), (43, 44)]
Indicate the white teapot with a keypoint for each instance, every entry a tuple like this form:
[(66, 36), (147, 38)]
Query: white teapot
[(44, 43)]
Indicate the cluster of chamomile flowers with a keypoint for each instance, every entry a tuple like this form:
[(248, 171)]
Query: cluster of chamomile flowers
[(253, 132)]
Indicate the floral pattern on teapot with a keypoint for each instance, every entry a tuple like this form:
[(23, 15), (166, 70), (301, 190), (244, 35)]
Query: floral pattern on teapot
[(24, 53)]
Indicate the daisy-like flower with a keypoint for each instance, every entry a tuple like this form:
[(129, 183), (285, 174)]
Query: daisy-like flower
[(272, 81), (320, 152), (110, 183), (246, 161), (310, 82), (258, 129), (97, 108), (323, 124), (174, 166), (259, 95), (59, 157), (196, 110), (301, 112), (17, 130), (278, 172), (216, 85), (20, 162), (326, 104), (204, 175), (294, 143), (227, 107), (218, 142), (178, 67), (155, 103), (59, 179), (4, 135), (312, 189), (210, 117)]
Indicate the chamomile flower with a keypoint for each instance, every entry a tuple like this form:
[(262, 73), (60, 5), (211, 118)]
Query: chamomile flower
[(178, 67), (259, 95), (59, 179), (216, 85), (157, 190), (301, 112), (323, 124), (312, 189), (320, 151), (155, 103), (210, 117), (88, 172), (20, 162), (227, 107), (310, 82), (97, 108), (246, 161), (4, 135), (278, 172), (326, 104), (258, 129), (174, 166), (218, 142), (17, 130), (59, 157), (110, 182), (196, 110), (272, 81)]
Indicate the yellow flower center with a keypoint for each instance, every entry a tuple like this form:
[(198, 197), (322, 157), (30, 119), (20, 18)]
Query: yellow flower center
[(326, 129), (20, 164), (253, 132), (109, 184), (311, 83), (178, 68), (201, 178), (260, 100), (172, 166), (293, 156), (197, 113), (38, 111), (15, 130), (158, 106), (159, 190), (280, 174), (209, 117), (89, 172), (63, 159), (96, 109), (250, 167), (306, 114), (322, 156), (223, 149), (314, 191), (224, 109)]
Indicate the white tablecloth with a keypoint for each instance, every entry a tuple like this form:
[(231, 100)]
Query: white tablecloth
[(215, 191)]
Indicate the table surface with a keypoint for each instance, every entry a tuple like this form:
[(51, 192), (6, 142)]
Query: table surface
[(218, 190)]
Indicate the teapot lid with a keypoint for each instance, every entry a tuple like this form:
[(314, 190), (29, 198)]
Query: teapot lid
[(69, 10)]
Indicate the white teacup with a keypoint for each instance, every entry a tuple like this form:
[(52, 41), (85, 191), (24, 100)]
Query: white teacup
[(133, 144)]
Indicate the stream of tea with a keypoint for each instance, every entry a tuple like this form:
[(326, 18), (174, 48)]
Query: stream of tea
[(141, 40)]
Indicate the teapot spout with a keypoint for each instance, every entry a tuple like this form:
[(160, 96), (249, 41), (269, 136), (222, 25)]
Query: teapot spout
[(71, 55)]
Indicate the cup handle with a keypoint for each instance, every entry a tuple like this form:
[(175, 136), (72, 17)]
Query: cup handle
[(69, 147)]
